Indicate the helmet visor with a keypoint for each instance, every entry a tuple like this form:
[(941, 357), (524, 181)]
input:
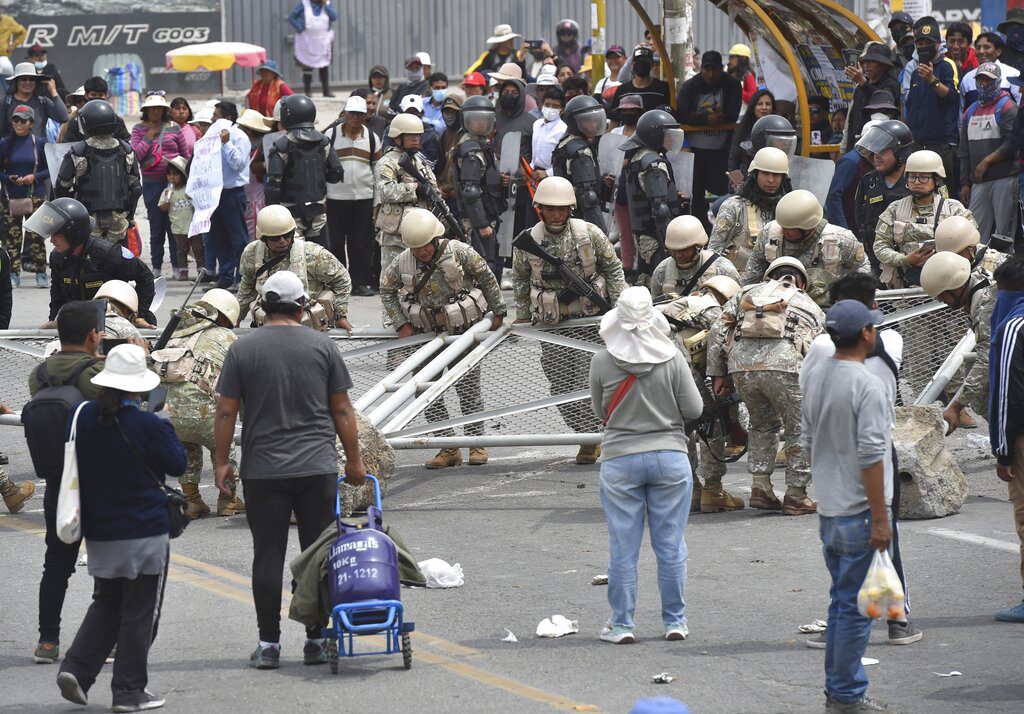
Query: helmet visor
[(478, 122), (47, 221), (673, 139), (874, 141), (786, 142), (592, 122)]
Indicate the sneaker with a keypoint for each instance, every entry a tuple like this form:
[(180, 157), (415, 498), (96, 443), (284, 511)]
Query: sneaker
[(265, 657), (140, 702), (676, 632), (70, 689), (42, 281), (818, 641), (15, 280), (1011, 614), (864, 705), (903, 633), (46, 653), (314, 652), (618, 635), (112, 656)]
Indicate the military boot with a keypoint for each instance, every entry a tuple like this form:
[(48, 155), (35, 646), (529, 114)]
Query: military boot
[(588, 455), (444, 459), (230, 505), (477, 457), (15, 494), (798, 503), (764, 499), (715, 499), (696, 497), (967, 420), (196, 507)]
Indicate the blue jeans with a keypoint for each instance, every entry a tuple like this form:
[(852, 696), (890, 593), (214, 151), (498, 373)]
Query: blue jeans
[(159, 225), (845, 543), (660, 482), (209, 255), (228, 234)]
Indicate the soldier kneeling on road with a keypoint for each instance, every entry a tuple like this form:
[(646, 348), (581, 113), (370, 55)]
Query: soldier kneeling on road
[(756, 349), (122, 311), (436, 285), (688, 266)]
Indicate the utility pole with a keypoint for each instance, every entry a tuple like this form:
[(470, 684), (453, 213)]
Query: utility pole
[(597, 40), (677, 28)]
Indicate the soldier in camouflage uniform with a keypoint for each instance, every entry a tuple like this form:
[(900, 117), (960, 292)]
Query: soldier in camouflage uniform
[(699, 312), (395, 190), (800, 231), (189, 367), (440, 285), (907, 223), (741, 218), (948, 277), (756, 349), (122, 306), (960, 235), (688, 267), (324, 278), (541, 299)]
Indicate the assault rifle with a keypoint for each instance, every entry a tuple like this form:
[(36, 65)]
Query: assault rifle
[(438, 205), (714, 415), (175, 320), (578, 287)]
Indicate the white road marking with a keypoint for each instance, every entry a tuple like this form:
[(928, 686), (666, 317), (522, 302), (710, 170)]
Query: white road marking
[(976, 539)]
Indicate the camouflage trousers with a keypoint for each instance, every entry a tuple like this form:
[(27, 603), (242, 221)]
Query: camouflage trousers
[(195, 433), (773, 400), (646, 248), (470, 401), (389, 250), (568, 370), (26, 249), (111, 226), (312, 229), (711, 469)]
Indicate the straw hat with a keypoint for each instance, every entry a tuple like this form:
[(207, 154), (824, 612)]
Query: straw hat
[(635, 332), (509, 72), (252, 119), (203, 116), (125, 368)]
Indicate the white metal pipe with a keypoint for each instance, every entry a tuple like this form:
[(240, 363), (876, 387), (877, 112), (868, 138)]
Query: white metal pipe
[(495, 440), (947, 369), (394, 378)]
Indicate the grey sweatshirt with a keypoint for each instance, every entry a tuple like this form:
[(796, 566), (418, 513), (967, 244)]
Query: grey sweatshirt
[(651, 416)]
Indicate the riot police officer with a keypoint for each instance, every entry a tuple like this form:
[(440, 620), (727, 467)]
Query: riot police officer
[(102, 173), (650, 186), (300, 165), (772, 130), (479, 186), (688, 266), (887, 145), (575, 156), (80, 264)]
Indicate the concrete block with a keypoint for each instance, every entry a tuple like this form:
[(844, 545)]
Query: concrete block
[(931, 482)]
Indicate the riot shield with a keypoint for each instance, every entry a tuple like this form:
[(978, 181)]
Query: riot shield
[(814, 175), (609, 158), (682, 169), (268, 141), (159, 293), (508, 163), (55, 154)]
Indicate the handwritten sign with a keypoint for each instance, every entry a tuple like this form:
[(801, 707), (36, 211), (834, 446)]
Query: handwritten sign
[(205, 179), (55, 154)]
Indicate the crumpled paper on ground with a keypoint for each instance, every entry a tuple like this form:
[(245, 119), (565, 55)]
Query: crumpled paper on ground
[(954, 673), (557, 626), (663, 678), (868, 661), (599, 580), (440, 574), (510, 637)]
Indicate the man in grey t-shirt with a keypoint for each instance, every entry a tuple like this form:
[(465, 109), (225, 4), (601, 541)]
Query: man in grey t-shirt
[(847, 432), (294, 385)]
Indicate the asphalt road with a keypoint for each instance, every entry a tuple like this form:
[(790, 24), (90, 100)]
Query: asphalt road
[(529, 531)]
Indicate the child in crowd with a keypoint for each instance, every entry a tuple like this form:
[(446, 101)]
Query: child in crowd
[(176, 203)]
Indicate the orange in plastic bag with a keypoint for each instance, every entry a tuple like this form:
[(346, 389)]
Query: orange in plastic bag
[(881, 592)]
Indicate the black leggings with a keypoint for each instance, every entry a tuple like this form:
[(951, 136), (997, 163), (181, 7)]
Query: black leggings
[(268, 509), (58, 567)]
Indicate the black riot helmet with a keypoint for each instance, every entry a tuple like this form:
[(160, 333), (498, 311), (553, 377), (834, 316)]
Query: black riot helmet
[(658, 131), (65, 216), (297, 112), (888, 134), (771, 130), (478, 116), (97, 118), (584, 116)]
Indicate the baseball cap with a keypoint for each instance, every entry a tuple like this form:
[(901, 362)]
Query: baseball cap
[(848, 317), (615, 50), (411, 101), (990, 69), (711, 58), (415, 59), (927, 28), (24, 111), (424, 58), (355, 104), (631, 101), (474, 79), (283, 286), (901, 17)]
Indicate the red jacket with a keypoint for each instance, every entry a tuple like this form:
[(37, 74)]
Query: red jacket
[(263, 97)]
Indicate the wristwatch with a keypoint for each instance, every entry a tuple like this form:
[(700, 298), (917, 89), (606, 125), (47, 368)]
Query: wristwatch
[(935, 82)]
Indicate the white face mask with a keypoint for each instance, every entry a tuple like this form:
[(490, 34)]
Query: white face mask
[(879, 116), (550, 113)]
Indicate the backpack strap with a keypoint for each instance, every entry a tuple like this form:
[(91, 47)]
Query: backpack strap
[(620, 394), (43, 376), (880, 352), (46, 381)]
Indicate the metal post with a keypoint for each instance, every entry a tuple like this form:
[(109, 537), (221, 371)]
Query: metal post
[(406, 368), (597, 38), (946, 370)]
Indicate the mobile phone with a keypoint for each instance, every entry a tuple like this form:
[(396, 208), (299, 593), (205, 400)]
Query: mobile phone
[(930, 244), (156, 399), (535, 44), (101, 314), (109, 344)]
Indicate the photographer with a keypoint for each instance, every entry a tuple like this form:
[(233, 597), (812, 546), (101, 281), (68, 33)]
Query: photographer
[(122, 453)]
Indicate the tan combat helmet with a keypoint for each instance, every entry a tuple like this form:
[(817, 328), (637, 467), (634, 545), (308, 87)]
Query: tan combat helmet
[(799, 210), (120, 292), (555, 191), (955, 234), (685, 232), (925, 162), (405, 124), (723, 287), (945, 271), (770, 159), (419, 227), (786, 261), (223, 302), (274, 220)]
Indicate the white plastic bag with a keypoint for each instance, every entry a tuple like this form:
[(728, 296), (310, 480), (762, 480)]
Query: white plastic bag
[(69, 503), (881, 595), (441, 575)]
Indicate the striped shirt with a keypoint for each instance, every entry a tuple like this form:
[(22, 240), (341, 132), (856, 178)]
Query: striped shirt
[(356, 160)]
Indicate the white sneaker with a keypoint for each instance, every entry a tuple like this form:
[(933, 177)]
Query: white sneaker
[(676, 632), (506, 282), (618, 635)]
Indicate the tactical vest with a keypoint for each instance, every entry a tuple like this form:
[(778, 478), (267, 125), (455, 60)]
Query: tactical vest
[(545, 302), (319, 312), (104, 185), (491, 187), (179, 363), (305, 171), (989, 260), (563, 155), (768, 315), (753, 226), (877, 196), (893, 276), (692, 340), (387, 217), (464, 307), (674, 282), (640, 216), (825, 256)]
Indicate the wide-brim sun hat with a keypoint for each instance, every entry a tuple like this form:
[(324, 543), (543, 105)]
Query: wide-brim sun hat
[(25, 69), (181, 164), (634, 332), (502, 33), (252, 119), (126, 369), (203, 116), (154, 100)]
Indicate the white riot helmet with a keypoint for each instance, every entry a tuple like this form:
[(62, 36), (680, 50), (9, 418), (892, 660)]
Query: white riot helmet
[(120, 292), (944, 271), (685, 232), (274, 220), (223, 302), (419, 227)]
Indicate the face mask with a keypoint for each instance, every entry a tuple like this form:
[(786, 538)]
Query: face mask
[(1015, 36), (907, 48), (439, 95), (629, 119), (879, 116), (414, 75), (642, 68), (988, 94), (450, 120), (550, 113), (40, 65), (509, 101)]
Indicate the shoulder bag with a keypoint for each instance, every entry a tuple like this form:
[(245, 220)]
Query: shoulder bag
[(177, 504)]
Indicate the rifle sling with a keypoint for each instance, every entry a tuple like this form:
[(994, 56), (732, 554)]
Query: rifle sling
[(270, 264), (430, 269), (700, 273)]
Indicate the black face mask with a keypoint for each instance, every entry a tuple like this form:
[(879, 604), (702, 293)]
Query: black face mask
[(509, 101), (642, 68), (629, 118)]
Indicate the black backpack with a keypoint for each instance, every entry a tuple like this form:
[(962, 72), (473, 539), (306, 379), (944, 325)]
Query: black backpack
[(46, 418)]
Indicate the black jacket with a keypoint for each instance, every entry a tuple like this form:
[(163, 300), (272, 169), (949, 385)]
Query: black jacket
[(861, 98), (78, 278), (692, 89), (6, 291)]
